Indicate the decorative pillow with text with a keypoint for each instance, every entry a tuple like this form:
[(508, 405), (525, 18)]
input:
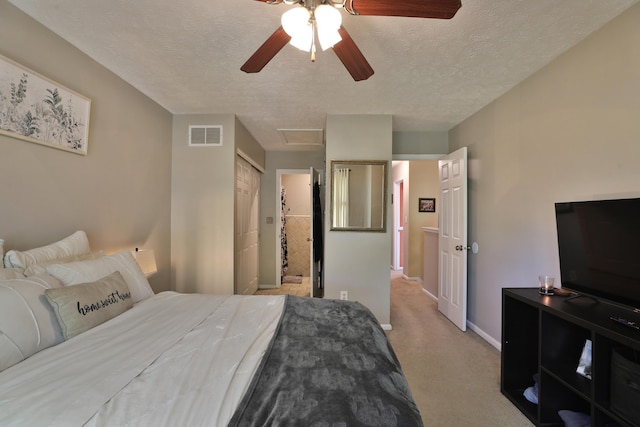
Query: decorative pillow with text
[(81, 307)]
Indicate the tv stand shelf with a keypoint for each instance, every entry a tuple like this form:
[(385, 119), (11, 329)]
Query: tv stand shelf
[(544, 336)]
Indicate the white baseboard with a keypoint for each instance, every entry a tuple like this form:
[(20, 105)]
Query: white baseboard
[(268, 286), (485, 336), (386, 326), (430, 295), (414, 279)]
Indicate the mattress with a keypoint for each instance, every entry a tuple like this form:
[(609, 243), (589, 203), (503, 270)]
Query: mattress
[(173, 359)]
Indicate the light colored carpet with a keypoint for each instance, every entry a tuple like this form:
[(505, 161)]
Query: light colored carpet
[(454, 376), (292, 279)]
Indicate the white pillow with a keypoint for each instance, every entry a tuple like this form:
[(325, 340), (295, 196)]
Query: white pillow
[(78, 272), (27, 322), (11, 273), (41, 267), (80, 307), (76, 244)]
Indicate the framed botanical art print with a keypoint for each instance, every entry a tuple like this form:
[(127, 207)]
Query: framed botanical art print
[(36, 109)]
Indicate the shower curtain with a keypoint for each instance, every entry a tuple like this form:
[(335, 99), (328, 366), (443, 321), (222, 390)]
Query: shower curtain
[(284, 255)]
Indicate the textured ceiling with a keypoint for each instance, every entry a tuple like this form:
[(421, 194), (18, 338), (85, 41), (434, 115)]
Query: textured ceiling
[(429, 74)]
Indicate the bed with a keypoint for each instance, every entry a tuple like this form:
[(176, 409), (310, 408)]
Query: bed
[(85, 341)]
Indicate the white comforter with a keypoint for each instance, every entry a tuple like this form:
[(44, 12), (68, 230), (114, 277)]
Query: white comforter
[(172, 360)]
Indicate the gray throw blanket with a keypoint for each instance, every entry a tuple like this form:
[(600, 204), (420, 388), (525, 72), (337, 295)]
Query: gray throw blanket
[(329, 364)]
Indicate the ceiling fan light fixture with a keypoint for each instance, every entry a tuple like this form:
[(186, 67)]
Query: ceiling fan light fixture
[(303, 40), (328, 38), (296, 23), (328, 20)]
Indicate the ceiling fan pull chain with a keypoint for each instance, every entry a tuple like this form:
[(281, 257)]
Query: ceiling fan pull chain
[(313, 39)]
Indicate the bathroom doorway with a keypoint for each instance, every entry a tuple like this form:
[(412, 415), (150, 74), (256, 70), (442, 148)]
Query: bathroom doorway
[(293, 252)]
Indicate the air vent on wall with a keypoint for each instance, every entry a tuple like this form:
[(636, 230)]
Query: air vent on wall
[(205, 136)]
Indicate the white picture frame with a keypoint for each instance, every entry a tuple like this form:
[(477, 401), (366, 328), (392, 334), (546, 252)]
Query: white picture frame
[(36, 109)]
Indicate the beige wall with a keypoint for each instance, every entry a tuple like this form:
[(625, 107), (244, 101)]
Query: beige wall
[(423, 176), (248, 146), (120, 192), (571, 131), (203, 204), (410, 143), (298, 194), (358, 262)]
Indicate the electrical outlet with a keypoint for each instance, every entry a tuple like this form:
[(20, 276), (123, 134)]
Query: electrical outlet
[(344, 295)]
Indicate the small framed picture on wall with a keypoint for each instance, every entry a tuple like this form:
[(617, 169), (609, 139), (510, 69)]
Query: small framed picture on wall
[(426, 204)]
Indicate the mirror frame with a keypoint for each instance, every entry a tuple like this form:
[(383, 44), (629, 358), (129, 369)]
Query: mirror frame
[(385, 171)]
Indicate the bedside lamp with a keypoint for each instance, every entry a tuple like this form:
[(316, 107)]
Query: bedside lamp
[(146, 260)]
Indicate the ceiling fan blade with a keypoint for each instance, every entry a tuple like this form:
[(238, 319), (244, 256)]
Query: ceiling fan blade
[(267, 51), (442, 9), (353, 60)]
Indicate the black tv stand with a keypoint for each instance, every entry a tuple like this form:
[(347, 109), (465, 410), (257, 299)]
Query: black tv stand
[(542, 335), (576, 295)]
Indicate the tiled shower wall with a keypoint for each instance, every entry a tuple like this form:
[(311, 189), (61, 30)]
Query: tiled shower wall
[(298, 228)]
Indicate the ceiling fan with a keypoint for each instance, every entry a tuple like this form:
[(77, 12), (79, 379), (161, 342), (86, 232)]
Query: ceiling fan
[(300, 24)]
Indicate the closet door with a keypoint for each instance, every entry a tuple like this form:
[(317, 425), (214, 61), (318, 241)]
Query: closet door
[(246, 227)]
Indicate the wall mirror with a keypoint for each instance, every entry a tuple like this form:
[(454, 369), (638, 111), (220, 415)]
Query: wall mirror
[(358, 195)]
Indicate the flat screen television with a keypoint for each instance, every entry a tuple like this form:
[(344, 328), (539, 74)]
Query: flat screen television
[(599, 247)]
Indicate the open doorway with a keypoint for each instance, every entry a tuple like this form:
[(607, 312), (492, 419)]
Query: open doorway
[(294, 224), (414, 180), (398, 225)]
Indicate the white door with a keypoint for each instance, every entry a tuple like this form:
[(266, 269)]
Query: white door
[(398, 224), (316, 236), (246, 227), (452, 248)]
